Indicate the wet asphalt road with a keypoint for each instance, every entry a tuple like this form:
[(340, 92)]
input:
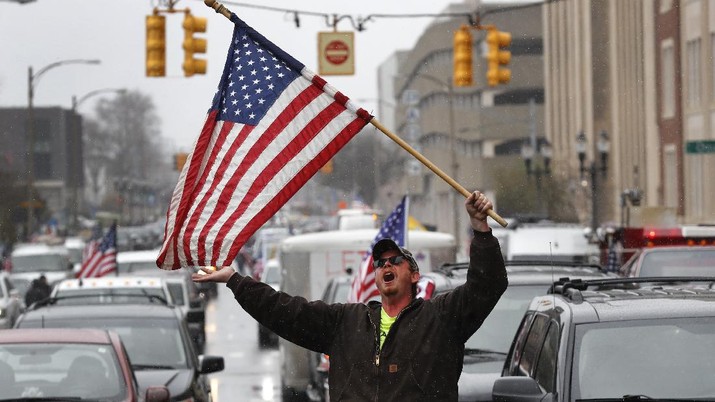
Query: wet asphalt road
[(252, 374)]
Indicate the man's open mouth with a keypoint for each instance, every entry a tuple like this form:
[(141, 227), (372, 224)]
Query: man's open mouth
[(389, 276)]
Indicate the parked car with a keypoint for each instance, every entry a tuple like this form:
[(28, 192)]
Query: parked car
[(671, 261), (69, 364), (11, 302), (614, 339), (271, 274), (155, 336), (486, 350)]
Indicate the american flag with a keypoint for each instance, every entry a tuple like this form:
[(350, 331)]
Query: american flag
[(395, 228), (272, 125), (100, 255)]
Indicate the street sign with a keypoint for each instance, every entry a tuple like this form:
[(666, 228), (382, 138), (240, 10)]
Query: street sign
[(336, 53), (700, 147)]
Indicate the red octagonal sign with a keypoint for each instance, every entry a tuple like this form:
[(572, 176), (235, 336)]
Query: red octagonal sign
[(336, 52)]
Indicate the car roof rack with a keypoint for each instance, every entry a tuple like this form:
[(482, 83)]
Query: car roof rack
[(448, 268), (53, 300), (572, 288)]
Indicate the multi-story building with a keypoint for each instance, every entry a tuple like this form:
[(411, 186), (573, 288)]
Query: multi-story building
[(641, 71), (469, 132), (56, 155)]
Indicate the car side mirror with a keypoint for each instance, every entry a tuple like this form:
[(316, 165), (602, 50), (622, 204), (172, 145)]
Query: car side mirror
[(210, 364), (157, 394), (517, 389)]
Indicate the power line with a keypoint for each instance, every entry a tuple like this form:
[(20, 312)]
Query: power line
[(358, 23)]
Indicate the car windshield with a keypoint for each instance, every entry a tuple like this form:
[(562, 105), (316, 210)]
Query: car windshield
[(667, 358), (111, 296), (691, 262), (60, 370), (149, 341), (127, 267), (39, 262), (504, 319)]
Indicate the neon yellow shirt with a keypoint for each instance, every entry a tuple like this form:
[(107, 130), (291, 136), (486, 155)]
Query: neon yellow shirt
[(385, 324)]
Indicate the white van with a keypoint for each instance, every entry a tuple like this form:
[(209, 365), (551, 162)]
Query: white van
[(550, 242), (309, 261), (30, 260)]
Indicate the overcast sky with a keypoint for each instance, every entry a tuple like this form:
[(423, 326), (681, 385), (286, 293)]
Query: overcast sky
[(46, 31)]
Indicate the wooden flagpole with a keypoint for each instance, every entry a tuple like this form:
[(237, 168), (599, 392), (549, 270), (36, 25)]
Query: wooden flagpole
[(433, 168), (226, 13)]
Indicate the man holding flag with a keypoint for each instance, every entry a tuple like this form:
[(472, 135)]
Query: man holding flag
[(401, 347), (272, 124)]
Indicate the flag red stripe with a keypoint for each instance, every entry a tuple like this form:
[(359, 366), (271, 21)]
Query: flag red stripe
[(293, 148), (194, 219), (345, 135), (276, 127), (188, 188)]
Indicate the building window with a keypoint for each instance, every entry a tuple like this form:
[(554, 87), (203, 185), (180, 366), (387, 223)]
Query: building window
[(670, 179), (668, 79), (696, 181), (665, 6), (692, 49)]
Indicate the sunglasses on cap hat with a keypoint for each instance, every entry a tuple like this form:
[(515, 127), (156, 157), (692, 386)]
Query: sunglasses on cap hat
[(394, 260)]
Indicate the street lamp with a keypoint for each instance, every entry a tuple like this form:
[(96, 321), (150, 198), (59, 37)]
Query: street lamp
[(32, 81), (528, 153), (76, 102), (602, 147), (447, 85)]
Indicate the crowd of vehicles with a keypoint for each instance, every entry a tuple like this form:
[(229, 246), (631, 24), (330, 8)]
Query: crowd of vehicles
[(532, 362)]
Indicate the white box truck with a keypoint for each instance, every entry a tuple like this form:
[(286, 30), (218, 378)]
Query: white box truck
[(309, 261)]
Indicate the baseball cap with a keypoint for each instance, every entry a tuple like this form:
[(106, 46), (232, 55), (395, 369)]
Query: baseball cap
[(388, 244)]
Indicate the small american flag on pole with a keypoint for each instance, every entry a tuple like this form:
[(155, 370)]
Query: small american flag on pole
[(271, 126), (100, 255), (395, 228)]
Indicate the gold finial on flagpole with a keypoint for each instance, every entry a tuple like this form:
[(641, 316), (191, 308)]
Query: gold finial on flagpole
[(219, 8)]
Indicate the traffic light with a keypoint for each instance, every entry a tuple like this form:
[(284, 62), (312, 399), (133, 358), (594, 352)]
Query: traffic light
[(180, 160), (463, 57), (192, 45), (497, 57), (155, 46), (327, 168)]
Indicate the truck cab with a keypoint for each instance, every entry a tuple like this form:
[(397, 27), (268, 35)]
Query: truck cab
[(30, 260)]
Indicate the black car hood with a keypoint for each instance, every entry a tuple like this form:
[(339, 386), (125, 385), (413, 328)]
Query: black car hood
[(177, 381)]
